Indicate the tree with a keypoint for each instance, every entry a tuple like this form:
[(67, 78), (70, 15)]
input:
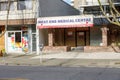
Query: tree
[(7, 15), (114, 13)]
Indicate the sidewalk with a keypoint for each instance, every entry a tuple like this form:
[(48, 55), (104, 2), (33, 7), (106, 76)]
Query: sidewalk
[(65, 59), (78, 55)]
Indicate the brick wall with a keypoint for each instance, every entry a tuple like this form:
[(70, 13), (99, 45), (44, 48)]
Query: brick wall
[(98, 49), (56, 49)]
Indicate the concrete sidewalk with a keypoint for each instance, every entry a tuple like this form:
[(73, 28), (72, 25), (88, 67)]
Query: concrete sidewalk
[(78, 55), (65, 59)]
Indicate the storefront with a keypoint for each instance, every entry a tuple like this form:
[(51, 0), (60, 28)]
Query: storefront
[(20, 38), (70, 31), (73, 37)]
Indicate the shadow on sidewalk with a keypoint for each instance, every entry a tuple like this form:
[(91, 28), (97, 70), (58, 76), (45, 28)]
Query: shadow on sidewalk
[(116, 48)]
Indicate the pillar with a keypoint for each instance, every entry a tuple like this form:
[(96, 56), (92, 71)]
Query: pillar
[(30, 39), (104, 36), (37, 41), (51, 37)]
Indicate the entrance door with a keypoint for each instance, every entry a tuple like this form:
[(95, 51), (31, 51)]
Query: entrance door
[(81, 39), (70, 37)]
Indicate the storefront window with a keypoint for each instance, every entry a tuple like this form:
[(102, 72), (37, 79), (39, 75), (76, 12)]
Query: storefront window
[(17, 38), (95, 36), (70, 33), (10, 34), (25, 34), (11, 28)]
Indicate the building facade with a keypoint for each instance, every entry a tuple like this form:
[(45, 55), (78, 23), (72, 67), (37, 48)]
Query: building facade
[(20, 20), (99, 37), (64, 32), (103, 33), (46, 36), (24, 36)]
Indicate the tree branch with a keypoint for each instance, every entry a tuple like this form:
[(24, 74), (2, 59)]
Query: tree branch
[(113, 6), (8, 9), (113, 15)]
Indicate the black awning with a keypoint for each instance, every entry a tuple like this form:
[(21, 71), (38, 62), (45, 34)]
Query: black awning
[(101, 21)]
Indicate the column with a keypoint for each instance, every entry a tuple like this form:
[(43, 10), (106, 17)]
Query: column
[(51, 37), (104, 36), (37, 41), (30, 39)]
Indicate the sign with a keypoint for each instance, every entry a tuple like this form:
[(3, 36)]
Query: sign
[(65, 21)]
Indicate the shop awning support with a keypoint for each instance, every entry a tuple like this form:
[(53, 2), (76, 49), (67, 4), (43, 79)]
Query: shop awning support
[(37, 41), (51, 37), (104, 36)]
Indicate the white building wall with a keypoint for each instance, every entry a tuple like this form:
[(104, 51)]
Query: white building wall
[(20, 14), (95, 2), (78, 3)]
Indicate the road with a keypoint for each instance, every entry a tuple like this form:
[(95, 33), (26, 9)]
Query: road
[(59, 73)]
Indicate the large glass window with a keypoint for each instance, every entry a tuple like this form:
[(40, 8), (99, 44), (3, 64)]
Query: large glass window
[(3, 6), (24, 4), (12, 7), (95, 36)]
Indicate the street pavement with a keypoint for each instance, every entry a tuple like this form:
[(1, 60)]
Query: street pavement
[(64, 59)]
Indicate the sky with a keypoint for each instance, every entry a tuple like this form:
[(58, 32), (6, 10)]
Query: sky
[(68, 1)]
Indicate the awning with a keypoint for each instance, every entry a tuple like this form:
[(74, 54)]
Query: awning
[(66, 26), (65, 22), (101, 21)]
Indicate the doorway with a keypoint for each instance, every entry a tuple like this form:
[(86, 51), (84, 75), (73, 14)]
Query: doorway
[(80, 38)]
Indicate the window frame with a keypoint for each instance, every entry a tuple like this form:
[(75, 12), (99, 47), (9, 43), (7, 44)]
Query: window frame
[(24, 6), (3, 6)]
